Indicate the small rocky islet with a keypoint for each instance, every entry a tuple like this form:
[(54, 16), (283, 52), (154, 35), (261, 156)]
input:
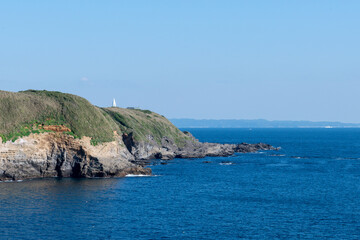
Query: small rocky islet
[(53, 134)]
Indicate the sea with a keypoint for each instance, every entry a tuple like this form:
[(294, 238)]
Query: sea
[(309, 189)]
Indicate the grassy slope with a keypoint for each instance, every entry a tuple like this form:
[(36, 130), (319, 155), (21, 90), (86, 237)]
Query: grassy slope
[(20, 111), (144, 122)]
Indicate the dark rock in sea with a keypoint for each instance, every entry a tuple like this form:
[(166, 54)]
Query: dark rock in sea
[(207, 162), (191, 149), (57, 155)]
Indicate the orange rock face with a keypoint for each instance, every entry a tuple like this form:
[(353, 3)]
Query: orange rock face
[(56, 128), (53, 154)]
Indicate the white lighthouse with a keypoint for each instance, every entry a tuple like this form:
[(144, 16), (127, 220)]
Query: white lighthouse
[(114, 103)]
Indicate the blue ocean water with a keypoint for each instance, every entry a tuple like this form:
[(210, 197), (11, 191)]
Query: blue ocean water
[(310, 189)]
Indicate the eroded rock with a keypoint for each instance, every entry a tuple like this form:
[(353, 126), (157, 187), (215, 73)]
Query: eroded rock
[(56, 154), (60, 155)]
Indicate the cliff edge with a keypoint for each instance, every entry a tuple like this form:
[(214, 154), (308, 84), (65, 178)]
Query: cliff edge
[(53, 134)]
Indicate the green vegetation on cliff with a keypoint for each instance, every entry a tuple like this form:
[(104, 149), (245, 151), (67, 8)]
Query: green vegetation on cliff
[(29, 111), (22, 110), (143, 123)]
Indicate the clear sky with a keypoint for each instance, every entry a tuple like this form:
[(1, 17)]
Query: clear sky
[(277, 60)]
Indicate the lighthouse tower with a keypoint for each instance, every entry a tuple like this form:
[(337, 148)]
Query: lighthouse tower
[(114, 103)]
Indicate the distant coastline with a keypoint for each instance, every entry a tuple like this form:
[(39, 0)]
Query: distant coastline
[(256, 123)]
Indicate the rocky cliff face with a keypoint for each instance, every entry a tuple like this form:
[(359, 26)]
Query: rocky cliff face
[(60, 155), (49, 134)]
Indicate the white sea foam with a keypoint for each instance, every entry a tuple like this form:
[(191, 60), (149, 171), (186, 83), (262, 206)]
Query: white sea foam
[(137, 175), (9, 181), (227, 163)]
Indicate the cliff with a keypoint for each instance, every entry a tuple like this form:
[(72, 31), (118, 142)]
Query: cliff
[(52, 134)]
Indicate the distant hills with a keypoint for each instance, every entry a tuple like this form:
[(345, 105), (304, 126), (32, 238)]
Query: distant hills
[(256, 123)]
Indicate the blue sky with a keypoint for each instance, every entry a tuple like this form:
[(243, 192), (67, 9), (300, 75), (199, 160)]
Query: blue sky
[(277, 60)]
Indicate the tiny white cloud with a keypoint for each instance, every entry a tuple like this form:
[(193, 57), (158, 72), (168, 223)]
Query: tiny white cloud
[(84, 79)]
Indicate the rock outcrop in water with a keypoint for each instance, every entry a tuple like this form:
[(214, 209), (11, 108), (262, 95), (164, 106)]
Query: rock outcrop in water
[(52, 134), (191, 149), (59, 155)]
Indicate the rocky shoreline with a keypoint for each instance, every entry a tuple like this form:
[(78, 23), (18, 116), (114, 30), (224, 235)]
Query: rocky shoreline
[(60, 155), (52, 134), (193, 148)]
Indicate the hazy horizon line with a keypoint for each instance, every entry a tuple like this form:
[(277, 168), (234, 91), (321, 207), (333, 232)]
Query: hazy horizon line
[(262, 119)]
